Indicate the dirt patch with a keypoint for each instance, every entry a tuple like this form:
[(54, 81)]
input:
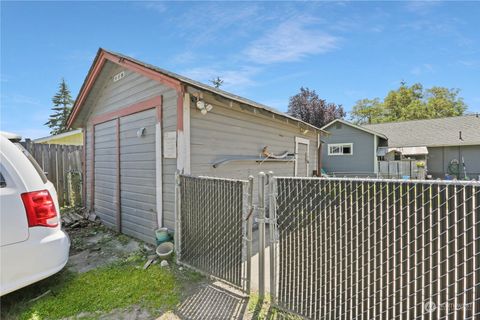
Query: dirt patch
[(95, 246)]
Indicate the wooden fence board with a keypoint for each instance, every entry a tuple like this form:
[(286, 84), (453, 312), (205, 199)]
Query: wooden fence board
[(60, 163)]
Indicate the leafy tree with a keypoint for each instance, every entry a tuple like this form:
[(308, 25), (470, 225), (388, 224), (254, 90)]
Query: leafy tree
[(368, 110), (307, 106), (217, 82), (409, 103), (62, 105)]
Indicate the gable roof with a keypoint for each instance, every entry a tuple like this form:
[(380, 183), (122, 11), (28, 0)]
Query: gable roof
[(169, 78), (379, 134), (431, 132)]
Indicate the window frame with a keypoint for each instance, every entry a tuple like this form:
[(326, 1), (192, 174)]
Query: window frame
[(341, 146)]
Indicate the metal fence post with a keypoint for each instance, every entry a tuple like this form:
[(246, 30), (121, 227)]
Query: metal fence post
[(249, 232), (271, 229), (178, 203), (261, 235)]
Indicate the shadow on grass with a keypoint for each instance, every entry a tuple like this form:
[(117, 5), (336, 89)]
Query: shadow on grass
[(12, 304)]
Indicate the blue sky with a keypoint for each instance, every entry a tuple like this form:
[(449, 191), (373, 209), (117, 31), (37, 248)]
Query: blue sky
[(346, 51)]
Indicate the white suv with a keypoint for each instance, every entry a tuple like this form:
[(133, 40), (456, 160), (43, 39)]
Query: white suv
[(32, 244)]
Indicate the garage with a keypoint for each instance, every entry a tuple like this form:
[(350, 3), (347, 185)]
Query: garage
[(143, 124), (124, 175)]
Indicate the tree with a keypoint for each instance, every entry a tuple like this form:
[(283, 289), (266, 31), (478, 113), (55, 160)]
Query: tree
[(409, 103), (62, 105), (307, 106), (217, 82), (368, 110)]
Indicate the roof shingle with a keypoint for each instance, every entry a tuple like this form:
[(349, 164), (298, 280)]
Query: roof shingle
[(431, 132)]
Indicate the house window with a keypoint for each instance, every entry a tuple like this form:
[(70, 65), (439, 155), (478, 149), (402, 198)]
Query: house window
[(340, 149)]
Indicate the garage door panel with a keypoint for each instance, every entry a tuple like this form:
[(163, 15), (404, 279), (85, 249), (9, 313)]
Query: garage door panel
[(137, 231), (132, 164), (137, 168), (135, 149), (105, 184), (138, 181), (131, 137), (146, 156), (138, 189)]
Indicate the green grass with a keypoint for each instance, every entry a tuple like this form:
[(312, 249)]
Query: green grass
[(99, 291), (263, 310)]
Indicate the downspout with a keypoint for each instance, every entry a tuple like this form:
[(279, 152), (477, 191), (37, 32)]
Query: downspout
[(319, 155)]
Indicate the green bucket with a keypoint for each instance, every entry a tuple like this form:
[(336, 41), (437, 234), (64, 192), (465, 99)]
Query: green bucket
[(162, 235)]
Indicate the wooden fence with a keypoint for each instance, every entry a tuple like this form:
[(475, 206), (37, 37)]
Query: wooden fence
[(63, 166)]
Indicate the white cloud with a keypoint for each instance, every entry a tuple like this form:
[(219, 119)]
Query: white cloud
[(20, 100), (421, 6), (292, 40), (183, 58), (205, 23), (157, 6), (470, 63), (422, 69)]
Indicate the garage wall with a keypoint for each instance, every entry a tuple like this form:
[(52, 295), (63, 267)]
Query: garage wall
[(228, 131), (131, 89)]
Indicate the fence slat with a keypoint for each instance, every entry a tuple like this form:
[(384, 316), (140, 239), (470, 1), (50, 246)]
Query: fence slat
[(63, 167)]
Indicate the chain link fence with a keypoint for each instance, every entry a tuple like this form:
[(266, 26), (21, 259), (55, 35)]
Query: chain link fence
[(214, 222), (371, 248)]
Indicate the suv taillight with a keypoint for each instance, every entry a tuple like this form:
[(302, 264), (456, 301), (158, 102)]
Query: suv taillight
[(40, 209)]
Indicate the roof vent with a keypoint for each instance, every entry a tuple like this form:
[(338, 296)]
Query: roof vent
[(118, 76)]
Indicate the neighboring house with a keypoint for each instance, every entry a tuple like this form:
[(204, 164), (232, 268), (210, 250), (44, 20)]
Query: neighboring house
[(349, 149), (142, 124), (74, 137), (448, 147)]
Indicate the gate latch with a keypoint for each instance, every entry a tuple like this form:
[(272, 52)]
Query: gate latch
[(265, 220)]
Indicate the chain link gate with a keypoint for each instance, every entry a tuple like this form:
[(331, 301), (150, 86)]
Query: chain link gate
[(214, 227), (372, 248)]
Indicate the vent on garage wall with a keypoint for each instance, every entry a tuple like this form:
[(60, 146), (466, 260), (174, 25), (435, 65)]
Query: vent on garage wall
[(119, 76)]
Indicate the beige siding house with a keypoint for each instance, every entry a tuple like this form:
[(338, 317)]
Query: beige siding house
[(142, 124)]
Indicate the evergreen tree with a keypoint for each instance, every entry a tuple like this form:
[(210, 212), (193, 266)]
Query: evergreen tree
[(62, 105)]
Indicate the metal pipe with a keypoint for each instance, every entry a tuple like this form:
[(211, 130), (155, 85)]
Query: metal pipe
[(178, 229), (249, 232), (261, 235), (271, 229)]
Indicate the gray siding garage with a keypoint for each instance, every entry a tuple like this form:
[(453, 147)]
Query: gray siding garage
[(142, 124)]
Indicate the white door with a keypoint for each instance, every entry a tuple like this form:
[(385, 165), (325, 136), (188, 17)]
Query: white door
[(302, 157)]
